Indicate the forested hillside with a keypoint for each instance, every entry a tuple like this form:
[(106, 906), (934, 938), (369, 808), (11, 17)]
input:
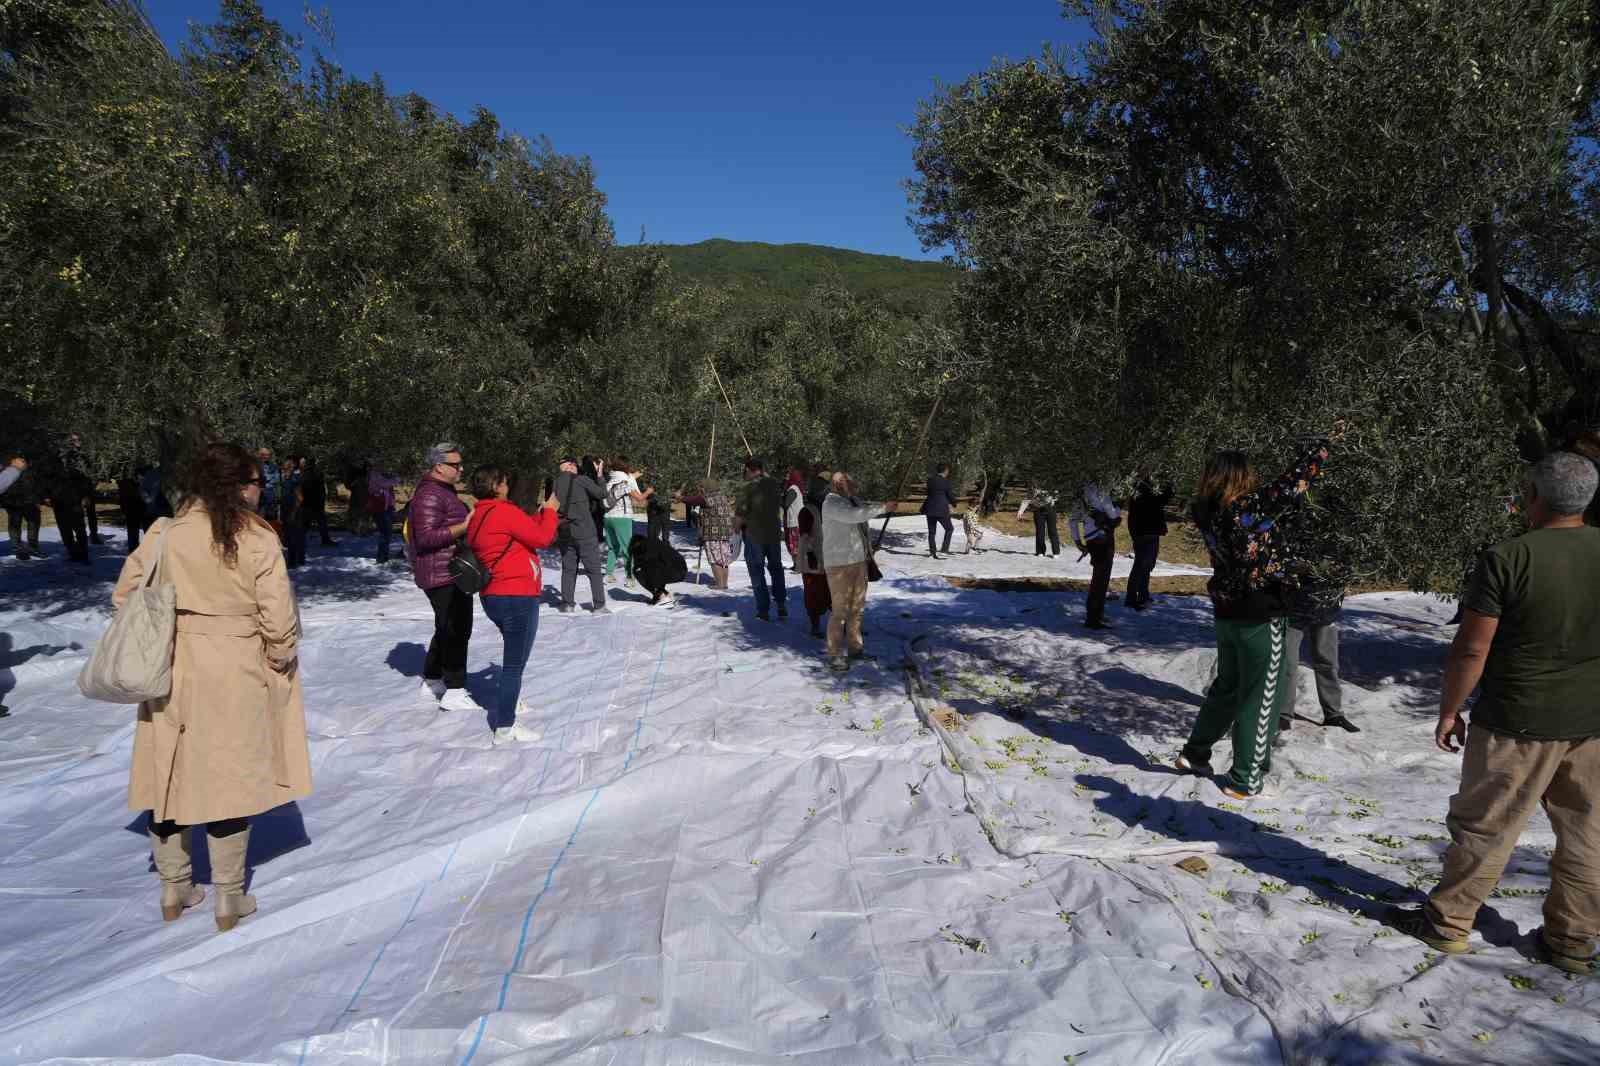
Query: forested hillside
[(791, 271)]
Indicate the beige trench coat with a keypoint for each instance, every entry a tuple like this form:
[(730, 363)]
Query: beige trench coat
[(230, 741)]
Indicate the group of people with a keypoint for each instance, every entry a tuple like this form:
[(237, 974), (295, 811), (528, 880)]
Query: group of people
[(1529, 641), (294, 499), (63, 481), (218, 751)]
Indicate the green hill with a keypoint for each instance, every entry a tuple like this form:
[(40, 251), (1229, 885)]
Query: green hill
[(789, 271)]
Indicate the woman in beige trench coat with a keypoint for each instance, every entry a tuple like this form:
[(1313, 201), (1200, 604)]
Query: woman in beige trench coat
[(230, 741)]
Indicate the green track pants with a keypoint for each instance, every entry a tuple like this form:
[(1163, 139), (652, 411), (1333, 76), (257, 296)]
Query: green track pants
[(1251, 672), (619, 535)]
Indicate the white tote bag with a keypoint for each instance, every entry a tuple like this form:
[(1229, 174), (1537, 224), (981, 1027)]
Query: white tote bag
[(132, 662)]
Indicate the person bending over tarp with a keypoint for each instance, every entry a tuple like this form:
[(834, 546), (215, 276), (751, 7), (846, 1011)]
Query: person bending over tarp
[(656, 564)]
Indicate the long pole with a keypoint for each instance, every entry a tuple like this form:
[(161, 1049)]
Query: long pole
[(710, 455), (712, 363), (906, 472)]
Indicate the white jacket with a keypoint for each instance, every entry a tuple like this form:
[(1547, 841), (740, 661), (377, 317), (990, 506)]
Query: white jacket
[(1084, 527), (844, 536)]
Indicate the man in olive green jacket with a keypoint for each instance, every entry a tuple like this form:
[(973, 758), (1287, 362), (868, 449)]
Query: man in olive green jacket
[(759, 514)]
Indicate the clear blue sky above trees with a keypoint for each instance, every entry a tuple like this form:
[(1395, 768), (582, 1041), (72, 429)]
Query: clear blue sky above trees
[(751, 121)]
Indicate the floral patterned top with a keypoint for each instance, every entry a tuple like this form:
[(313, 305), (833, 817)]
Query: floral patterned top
[(1253, 570)]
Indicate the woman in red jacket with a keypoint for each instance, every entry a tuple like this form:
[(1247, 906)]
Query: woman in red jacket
[(507, 542)]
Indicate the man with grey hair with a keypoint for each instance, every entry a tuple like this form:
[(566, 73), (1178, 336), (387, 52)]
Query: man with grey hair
[(1530, 633)]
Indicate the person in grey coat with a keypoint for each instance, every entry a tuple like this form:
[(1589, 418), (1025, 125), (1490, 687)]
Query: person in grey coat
[(577, 536), (1314, 618), (941, 497)]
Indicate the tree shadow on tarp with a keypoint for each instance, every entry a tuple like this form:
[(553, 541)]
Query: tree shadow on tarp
[(273, 834), (1276, 855), (11, 656), (52, 586)]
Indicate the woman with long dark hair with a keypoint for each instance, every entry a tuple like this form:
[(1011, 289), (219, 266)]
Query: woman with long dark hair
[(507, 541), (229, 741), (1252, 577)]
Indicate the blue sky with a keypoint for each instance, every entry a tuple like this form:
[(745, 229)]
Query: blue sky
[(751, 121)]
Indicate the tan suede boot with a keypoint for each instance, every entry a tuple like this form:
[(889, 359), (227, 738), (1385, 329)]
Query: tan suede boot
[(178, 890), (227, 878)]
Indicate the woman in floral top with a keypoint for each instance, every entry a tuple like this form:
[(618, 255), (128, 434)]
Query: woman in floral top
[(1253, 578)]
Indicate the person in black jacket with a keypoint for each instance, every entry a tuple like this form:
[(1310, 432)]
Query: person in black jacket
[(314, 499), (941, 497), (19, 497), (1147, 524)]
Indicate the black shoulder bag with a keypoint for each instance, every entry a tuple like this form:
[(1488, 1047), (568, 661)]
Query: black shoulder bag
[(467, 571)]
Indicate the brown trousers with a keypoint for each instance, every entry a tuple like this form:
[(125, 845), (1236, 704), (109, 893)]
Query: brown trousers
[(847, 586), (1502, 779)]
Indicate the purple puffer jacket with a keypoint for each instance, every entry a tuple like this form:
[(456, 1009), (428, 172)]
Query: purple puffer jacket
[(434, 509)]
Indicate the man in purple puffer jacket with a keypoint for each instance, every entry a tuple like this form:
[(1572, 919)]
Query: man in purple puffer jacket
[(438, 518)]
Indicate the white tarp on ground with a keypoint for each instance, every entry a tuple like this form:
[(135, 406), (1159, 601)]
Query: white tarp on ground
[(718, 853), (1065, 736)]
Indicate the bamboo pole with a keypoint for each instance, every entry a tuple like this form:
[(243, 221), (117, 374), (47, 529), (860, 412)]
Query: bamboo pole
[(905, 473), (725, 399)]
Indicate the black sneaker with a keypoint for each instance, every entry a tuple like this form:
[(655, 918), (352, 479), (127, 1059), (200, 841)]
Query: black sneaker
[(1341, 722), (763, 616), (862, 656), (783, 611), (1098, 623), (1285, 723)]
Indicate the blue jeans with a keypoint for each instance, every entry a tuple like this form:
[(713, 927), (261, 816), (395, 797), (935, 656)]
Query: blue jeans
[(385, 520), (772, 554), (517, 619)]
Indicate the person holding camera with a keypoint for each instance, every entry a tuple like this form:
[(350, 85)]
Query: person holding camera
[(438, 520), (507, 541), (578, 537)]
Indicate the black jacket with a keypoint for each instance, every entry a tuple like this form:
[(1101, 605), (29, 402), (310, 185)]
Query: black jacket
[(941, 497), (1147, 511)]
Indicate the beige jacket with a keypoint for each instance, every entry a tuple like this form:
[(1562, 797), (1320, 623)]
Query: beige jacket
[(230, 741)]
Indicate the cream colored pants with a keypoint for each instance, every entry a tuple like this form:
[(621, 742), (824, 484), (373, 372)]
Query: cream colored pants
[(1502, 779), (847, 585)]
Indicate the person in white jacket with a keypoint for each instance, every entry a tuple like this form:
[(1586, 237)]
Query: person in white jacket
[(844, 558), (1093, 523)]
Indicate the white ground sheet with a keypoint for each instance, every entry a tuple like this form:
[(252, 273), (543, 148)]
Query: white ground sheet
[(1065, 737), (719, 852)]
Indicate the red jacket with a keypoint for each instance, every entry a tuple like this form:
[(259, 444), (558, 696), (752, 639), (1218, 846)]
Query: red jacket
[(507, 542)]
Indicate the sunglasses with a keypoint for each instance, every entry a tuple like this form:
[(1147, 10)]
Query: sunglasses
[(456, 465)]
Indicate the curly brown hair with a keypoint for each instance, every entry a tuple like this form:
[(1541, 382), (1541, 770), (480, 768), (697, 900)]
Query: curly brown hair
[(214, 475)]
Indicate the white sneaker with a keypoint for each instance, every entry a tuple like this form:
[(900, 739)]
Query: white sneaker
[(516, 734), (457, 700), (432, 691)]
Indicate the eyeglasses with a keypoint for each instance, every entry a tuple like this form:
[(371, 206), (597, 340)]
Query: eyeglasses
[(255, 481), (456, 465)]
